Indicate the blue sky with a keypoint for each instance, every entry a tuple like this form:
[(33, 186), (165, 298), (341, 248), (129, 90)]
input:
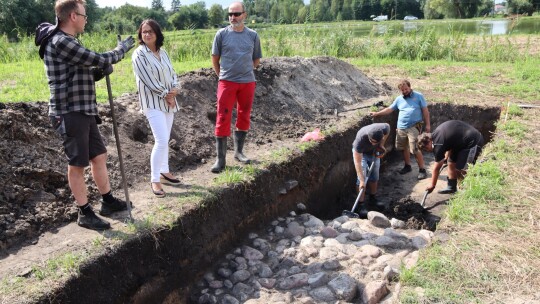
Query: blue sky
[(166, 3)]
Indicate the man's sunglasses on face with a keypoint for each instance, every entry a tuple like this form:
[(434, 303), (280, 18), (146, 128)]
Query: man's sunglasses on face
[(236, 14)]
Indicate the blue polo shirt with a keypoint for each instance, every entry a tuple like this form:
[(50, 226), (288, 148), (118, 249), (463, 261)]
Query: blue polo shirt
[(410, 109)]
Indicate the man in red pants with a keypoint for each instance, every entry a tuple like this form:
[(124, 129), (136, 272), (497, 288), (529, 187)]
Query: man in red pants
[(236, 52)]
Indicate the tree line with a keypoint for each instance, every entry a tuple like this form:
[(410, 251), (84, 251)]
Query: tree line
[(20, 17)]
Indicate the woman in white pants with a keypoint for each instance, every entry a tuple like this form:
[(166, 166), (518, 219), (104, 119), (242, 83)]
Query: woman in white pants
[(157, 84)]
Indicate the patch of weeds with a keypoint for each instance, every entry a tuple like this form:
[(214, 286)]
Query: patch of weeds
[(229, 176), (484, 185), (514, 129), (98, 241), (233, 175), (440, 264), (515, 110), (306, 145), (64, 265), (11, 284), (280, 155), (329, 131), (197, 194), (146, 224)]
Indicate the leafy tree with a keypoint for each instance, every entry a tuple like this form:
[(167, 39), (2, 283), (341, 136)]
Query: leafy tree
[(347, 10), (302, 16), (262, 8), (455, 8), (520, 7), (175, 5), (335, 8), (191, 16), (274, 13), (19, 18), (157, 5), (430, 12), (215, 15), (115, 23)]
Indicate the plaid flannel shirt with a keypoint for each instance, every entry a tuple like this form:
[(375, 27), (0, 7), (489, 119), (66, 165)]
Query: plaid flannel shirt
[(71, 81)]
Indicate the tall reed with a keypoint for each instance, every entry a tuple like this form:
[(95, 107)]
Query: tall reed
[(312, 40)]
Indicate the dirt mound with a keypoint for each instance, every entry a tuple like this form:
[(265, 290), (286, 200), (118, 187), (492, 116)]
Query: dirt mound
[(293, 95), (412, 213)]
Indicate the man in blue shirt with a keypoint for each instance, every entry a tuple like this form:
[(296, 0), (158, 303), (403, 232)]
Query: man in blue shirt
[(413, 114)]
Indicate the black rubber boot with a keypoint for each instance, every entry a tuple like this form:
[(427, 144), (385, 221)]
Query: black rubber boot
[(239, 138), (221, 148), (451, 188)]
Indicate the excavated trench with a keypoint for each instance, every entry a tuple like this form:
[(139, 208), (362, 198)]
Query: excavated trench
[(151, 268)]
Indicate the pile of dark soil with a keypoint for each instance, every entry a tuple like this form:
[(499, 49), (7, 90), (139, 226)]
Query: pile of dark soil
[(412, 213), (293, 95)]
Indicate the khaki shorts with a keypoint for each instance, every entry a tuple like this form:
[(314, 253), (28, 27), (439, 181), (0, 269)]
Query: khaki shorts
[(407, 138)]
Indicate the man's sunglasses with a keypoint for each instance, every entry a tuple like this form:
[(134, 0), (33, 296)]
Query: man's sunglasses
[(236, 14)]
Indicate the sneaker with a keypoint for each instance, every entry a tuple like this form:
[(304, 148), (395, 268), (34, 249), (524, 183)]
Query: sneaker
[(92, 221), (110, 208), (405, 169), (422, 174)]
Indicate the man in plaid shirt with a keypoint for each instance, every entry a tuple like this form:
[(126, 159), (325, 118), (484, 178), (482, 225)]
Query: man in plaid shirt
[(73, 110)]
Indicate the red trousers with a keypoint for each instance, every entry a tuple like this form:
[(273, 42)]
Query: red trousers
[(228, 94)]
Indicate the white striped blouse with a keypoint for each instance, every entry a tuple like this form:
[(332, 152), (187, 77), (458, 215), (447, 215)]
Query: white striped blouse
[(154, 78)]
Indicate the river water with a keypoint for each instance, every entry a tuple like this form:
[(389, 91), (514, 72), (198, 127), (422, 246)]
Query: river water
[(441, 27)]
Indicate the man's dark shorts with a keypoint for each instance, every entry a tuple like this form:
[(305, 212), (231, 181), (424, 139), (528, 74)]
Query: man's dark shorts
[(80, 133), (467, 156)]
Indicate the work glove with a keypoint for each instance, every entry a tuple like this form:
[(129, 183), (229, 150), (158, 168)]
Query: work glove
[(125, 45), (99, 73)]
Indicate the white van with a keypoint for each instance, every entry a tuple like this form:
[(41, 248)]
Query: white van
[(381, 18)]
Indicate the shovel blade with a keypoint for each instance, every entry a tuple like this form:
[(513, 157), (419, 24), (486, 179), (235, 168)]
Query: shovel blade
[(350, 214)]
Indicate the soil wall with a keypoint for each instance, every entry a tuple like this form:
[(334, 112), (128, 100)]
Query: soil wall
[(151, 267)]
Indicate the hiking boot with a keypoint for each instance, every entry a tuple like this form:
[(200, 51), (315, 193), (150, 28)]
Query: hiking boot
[(92, 221), (450, 188), (110, 208), (422, 174), (405, 169)]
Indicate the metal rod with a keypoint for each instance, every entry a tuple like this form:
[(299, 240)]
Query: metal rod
[(120, 159)]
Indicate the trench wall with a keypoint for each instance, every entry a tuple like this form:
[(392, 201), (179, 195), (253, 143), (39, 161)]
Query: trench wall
[(147, 268)]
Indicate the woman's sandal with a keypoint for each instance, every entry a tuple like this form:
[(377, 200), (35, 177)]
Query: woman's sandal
[(167, 180), (157, 193)]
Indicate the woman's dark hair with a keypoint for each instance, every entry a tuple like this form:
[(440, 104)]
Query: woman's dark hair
[(157, 30)]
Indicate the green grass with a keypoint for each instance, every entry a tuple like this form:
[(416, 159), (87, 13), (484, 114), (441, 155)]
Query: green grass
[(235, 175), (62, 266), (490, 235), (22, 76)]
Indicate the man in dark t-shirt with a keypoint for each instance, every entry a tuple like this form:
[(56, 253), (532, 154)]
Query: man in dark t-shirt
[(367, 141), (457, 142)]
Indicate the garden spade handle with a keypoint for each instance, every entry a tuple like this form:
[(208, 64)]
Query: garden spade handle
[(117, 137)]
